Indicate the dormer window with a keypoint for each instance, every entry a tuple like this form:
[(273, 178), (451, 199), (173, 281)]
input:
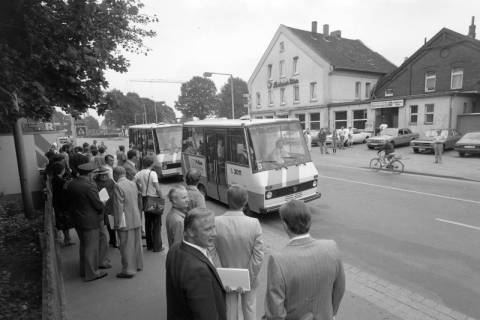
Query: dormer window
[(389, 93), (457, 78), (430, 81), (282, 46)]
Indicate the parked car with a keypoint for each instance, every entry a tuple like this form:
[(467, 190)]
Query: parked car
[(358, 136), (448, 137), (397, 136), (468, 144)]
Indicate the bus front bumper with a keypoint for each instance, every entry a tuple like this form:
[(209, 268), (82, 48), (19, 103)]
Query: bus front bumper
[(271, 209)]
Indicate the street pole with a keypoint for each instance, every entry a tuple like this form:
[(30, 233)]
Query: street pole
[(233, 102), (155, 106), (144, 114), (22, 164)]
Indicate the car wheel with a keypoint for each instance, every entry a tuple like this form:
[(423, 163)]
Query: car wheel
[(461, 154), (415, 150)]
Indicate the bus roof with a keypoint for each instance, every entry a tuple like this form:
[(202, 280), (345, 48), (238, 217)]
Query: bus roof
[(155, 125), (235, 122)]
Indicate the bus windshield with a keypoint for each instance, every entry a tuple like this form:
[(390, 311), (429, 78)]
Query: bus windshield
[(278, 145), (169, 139)]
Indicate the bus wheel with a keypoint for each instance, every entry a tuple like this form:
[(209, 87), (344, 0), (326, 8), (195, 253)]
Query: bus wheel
[(202, 190)]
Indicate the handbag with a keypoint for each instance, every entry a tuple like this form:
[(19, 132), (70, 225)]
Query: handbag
[(152, 205)]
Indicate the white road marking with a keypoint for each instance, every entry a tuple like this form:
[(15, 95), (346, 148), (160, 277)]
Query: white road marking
[(401, 189), (403, 173), (458, 224)]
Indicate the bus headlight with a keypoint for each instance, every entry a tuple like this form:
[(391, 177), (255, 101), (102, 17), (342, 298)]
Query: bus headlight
[(314, 183), (268, 195)]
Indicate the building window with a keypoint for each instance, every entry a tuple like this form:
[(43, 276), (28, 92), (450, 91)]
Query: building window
[(430, 80), (296, 93), (281, 68), (457, 78), (270, 98), (282, 96), (429, 108), (388, 92), (368, 88), (295, 65), (359, 118), (313, 91), (315, 121), (282, 46), (358, 89), (413, 114), (301, 118), (340, 119), (269, 71), (259, 102)]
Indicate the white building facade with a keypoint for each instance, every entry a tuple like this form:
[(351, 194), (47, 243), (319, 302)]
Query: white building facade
[(319, 78)]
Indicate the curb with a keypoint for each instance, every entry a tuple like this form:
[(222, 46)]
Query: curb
[(428, 175)]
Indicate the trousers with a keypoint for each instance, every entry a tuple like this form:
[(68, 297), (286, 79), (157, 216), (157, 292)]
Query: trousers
[(153, 235), (131, 250), (88, 250)]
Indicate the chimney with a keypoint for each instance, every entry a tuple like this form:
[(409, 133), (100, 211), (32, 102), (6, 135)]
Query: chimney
[(471, 29), (325, 30), (314, 27), (337, 34)]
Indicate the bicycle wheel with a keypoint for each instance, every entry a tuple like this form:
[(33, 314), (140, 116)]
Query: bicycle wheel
[(397, 166), (376, 164)]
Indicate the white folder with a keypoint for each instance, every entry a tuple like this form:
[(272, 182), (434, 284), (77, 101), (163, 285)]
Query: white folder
[(235, 278)]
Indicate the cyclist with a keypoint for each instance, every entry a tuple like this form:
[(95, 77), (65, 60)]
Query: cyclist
[(388, 150)]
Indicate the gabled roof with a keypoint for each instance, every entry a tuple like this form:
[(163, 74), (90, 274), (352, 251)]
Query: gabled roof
[(345, 54), (425, 47)]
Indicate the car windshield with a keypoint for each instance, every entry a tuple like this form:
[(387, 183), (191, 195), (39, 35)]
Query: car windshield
[(472, 136), (389, 132), (435, 133), (278, 145), (169, 139)]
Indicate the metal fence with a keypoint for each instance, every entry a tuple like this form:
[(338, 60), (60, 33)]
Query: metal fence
[(53, 293)]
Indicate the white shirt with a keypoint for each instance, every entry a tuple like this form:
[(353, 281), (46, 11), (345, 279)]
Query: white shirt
[(308, 138), (302, 236), (202, 250), (142, 177)]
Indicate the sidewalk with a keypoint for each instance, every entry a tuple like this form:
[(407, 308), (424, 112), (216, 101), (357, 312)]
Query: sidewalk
[(143, 297), (452, 165)]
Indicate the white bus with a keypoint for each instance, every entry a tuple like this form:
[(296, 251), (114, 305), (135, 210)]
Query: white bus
[(268, 156), (163, 141)]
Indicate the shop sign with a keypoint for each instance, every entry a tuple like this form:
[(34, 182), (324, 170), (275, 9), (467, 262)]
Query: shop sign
[(282, 83), (387, 104)]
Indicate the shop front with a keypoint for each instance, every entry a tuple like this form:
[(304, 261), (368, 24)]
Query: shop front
[(387, 112)]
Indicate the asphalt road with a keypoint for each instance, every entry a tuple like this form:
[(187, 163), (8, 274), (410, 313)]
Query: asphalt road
[(421, 233)]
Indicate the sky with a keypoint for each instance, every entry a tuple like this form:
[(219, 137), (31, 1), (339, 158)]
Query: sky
[(195, 36)]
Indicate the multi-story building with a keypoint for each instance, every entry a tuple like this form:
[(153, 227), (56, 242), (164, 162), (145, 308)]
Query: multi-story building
[(437, 87), (323, 79)]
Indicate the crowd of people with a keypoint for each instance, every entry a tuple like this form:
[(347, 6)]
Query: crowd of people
[(341, 138), (305, 280)]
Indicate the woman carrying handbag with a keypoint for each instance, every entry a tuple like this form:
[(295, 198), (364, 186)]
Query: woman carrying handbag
[(153, 204)]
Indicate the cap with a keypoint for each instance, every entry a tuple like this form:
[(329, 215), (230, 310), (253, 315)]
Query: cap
[(101, 170), (87, 167)]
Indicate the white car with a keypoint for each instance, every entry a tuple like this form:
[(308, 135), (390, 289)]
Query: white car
[(357, 136)]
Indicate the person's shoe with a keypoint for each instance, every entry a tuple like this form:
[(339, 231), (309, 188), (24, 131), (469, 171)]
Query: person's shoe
[(159, 250), (105, 266), (122, 275), (139, 269), (69, 243), (100, 276)]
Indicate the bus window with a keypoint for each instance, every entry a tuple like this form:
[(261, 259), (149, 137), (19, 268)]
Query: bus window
[(197, 134), (149, 143), (289, 146), (170, 139), (188, 146), (237, 152)]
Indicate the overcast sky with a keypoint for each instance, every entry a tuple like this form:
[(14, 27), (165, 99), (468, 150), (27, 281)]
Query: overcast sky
[(194, 36)]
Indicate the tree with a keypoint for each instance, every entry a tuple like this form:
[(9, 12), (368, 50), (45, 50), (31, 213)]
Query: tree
[(224, 108), (120, 109), (91, 122), (55, 52), (197, 98)]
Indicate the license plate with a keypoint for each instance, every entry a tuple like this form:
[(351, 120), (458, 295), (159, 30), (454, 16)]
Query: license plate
[(469, 147)]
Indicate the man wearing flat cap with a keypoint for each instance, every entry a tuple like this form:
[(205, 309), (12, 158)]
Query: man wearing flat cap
[(87, 213)]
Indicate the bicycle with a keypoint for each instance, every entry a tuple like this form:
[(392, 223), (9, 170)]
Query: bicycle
[(394, 164)]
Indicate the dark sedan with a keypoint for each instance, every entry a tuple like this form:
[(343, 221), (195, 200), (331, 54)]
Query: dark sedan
[(448, 137), (468, 144)]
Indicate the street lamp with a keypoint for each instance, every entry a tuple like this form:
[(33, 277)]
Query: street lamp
[(209, 74)]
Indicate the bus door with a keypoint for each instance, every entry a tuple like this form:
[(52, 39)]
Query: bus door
[(216, 173)]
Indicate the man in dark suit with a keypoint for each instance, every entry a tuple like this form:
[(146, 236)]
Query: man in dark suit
[(87, 213), (305, 280), (194, 289), (129, 165)]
